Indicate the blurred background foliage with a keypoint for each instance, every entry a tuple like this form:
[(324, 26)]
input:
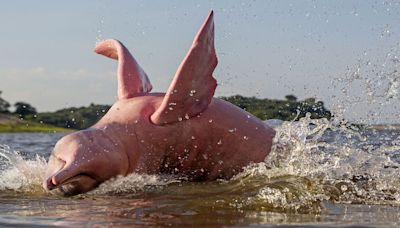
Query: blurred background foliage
[(83, 117)]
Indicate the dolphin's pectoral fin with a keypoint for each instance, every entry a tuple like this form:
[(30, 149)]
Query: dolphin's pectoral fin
[(132, 80), (193, 85)]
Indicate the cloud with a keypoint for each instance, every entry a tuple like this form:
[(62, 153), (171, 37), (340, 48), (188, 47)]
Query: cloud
[(25, 74), (73, 74), (80, 72), (22, 73), (9, 73), (38, 70)]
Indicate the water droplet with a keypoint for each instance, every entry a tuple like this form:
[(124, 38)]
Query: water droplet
[(186, 116), (193, 137), (192, 92), (210, 121), (180, 119), (245, 137), (232, 130), (219, 142), (205, 156)]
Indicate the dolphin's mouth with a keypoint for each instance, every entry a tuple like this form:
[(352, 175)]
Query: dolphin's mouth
[(80, 183), (73, 186)]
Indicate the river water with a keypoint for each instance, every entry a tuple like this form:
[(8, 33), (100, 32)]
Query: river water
[(320, 172)]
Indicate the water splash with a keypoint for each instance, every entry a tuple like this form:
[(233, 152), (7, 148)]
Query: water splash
[(370, 89), (316, 160), (133, 184), (19, 174)]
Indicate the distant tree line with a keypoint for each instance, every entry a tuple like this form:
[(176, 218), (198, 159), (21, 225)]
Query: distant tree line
[(84, 117), (76, 118), (22, 109), (289, 109), (4, 105)]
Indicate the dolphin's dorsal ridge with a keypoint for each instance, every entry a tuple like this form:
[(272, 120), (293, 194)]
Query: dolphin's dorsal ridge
[(193, 85), (132, 80)]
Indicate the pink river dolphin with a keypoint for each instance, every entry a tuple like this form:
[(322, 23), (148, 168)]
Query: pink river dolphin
[(185, 131)]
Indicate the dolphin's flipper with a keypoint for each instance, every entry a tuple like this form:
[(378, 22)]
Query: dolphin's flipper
[(193, 85), (132, 80)]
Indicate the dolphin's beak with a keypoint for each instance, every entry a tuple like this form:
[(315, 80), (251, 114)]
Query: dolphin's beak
[(74, 185), (53, 167)]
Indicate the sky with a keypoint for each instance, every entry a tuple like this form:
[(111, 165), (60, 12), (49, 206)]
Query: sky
[(344, 53)]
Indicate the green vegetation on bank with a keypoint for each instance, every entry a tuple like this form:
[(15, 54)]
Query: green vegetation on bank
[(27, 126), (289, 109), (17, 122), (75, 118), (84, 117)]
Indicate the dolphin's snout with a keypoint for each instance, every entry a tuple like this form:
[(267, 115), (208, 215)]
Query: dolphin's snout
[(48, 184), (65, 180), (55, 165)]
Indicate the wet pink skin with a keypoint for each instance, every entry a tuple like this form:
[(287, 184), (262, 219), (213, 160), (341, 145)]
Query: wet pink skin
[(195, 135), (216, 144)]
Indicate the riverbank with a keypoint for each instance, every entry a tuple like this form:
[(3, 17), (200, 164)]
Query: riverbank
[(385, 127), (9, 123)]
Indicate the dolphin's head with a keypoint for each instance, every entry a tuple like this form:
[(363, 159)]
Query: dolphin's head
[(81, 161)]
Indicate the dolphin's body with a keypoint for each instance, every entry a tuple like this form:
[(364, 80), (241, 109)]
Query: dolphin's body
[(184, 131)]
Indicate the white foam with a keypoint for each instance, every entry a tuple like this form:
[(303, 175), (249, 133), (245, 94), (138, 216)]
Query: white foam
[(18, 174)]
